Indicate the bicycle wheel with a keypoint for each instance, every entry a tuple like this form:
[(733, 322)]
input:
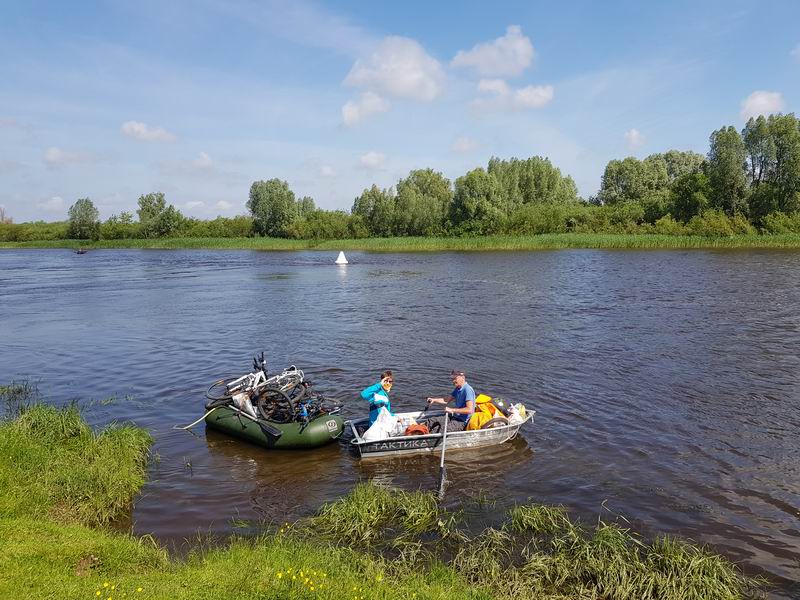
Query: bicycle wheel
[(274, 405), (218, 391)]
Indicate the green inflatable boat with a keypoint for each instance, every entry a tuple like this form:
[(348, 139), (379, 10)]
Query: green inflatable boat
[(317, 432)]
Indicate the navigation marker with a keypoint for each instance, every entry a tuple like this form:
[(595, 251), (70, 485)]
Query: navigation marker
[(341, 260)]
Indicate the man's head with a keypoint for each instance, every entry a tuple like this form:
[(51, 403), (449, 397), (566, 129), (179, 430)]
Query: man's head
[(458, 378)]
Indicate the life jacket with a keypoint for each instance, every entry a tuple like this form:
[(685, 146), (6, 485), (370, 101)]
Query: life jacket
[(484, 412)]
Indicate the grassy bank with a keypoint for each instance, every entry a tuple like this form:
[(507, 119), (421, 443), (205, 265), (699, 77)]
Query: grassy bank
[(433, 244), (59, 481)]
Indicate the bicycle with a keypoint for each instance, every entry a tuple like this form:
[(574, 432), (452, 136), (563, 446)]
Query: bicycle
[(271, 398)]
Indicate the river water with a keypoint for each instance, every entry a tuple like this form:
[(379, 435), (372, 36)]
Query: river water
[(666, 383)]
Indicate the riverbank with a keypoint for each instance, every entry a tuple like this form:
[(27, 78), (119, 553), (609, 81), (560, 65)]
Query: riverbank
[(60, 483), (435, 244)]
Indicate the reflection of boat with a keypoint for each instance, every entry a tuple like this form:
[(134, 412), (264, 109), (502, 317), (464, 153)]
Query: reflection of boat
[(317, 432), (413, 444)]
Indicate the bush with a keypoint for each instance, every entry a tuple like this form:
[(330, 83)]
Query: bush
[(715, 223), (668, 226), (778, 222)]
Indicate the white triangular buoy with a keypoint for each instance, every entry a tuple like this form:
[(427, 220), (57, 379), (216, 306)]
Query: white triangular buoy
[(341, 259)]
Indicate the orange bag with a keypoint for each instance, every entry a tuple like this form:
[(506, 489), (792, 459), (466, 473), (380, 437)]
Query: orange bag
[(484, 412), (417, 429)]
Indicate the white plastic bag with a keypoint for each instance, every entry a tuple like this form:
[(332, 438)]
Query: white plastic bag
[(514, 415), (382, 427), (242, 402)]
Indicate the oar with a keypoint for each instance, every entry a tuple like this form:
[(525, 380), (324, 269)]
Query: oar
[(442, 468)]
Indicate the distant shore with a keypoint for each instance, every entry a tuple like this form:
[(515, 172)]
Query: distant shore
[(434, 244)]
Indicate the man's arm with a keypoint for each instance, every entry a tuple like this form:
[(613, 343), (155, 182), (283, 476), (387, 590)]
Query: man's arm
[(440, 400), (470, 407)]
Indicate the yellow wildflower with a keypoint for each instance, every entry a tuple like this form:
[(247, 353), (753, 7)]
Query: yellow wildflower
[(379, 578), (105, 584), (279, 575), (97, 593), (138, 589)]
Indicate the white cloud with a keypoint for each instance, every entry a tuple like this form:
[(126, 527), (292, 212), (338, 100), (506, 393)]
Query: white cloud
[(634, 138), (203, 162), (506, 56), (533, 96), (372, 160), (55, 204), (463, 145), (795, 54), (55, 158), (398, 67), (497, 86), (191, 204), (369, 103), (327, 171), (761, 103), (505, 98), (146, 133), (223, 205)]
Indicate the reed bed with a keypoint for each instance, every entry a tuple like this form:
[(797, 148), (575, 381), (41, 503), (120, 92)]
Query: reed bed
[(538, 552), (557, 241)]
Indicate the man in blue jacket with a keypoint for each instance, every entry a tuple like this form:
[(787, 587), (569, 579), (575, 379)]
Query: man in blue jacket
[(378, 395), (463, 397)]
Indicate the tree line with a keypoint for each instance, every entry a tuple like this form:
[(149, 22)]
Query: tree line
[(748, 182)]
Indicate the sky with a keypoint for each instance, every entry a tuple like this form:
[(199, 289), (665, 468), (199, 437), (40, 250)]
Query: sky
[(114, 99)]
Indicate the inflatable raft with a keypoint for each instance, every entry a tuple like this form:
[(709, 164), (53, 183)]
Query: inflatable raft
[(296, 435)]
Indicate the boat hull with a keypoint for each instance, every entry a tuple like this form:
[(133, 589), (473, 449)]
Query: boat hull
[(420, 444), (319, 431)]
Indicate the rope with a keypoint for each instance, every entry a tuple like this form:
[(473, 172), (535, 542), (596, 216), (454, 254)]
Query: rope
[(196, 422)]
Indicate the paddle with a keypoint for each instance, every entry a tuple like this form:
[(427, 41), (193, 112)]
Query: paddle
[(442, 468)]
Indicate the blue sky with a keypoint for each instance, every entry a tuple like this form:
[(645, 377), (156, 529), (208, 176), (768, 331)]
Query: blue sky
[(110, 100)]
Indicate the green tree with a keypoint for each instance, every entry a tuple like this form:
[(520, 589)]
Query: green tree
[(273, 207), (84, 220), (689, 196), (305, 206), (150, 206), (156, 218), (631, 180), (375, 208), (785, 133), (421, 204), (760, 149), (530, 181), (475, 208), (680, 163), (726, 171)]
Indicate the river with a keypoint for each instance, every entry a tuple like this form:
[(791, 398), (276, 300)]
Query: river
[(666, 384)]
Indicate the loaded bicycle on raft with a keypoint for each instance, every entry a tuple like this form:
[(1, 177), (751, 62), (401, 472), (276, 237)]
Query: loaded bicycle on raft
[(284, 411)]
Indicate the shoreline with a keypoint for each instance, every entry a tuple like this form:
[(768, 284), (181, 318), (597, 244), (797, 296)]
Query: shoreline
[(494, 243), (65, 483)]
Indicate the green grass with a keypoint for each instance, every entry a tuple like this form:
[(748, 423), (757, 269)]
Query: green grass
[(60, 482), (434, 244), (53, 465)]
